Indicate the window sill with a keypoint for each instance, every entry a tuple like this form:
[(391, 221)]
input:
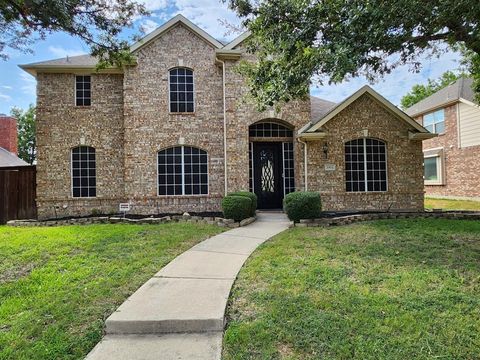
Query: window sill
[(435, 183), (182, 113)]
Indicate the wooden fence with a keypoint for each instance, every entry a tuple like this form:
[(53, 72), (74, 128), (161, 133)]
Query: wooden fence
[(17, 193)]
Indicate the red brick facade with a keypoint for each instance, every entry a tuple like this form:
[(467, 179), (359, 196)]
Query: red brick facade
[(461, 164), (8, 133)]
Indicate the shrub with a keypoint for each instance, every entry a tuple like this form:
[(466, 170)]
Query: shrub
[(236, 207), (251, 196), (302, 205)]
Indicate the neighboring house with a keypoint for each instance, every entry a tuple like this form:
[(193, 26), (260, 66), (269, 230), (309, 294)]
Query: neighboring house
[(174, 132), (8, 143), (452, 160)]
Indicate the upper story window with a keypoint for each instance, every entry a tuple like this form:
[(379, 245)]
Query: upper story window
[(181, 90), (365, 165), (84, 177), (83, 92), (182, 170), (435, 121)]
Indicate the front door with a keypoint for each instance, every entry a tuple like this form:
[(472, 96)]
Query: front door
[(267, 174)]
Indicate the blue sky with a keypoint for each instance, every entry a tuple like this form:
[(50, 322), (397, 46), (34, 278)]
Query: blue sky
[(17, 88)]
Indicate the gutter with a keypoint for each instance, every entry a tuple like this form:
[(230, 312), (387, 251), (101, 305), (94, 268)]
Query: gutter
[(224, 125)]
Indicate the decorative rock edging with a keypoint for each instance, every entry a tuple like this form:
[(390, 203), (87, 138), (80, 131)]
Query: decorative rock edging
[(348, 219), (230, 223)]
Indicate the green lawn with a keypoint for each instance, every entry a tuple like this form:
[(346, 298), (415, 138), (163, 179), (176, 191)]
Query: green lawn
[(447, 204), (391, 289), (59, 284)]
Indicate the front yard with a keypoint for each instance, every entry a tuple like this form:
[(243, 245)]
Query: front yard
[(449, 204), (392, 289), (59, 284)]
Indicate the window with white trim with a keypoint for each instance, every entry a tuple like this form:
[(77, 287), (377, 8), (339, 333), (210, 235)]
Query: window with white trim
[(433, 167), (435, 121), (84, 177), (181, 90), (365, 165), (83, 90), (182, 170)]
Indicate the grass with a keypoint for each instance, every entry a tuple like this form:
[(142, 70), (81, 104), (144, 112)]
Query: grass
[(448, 204), (391, 289), (59, 284)]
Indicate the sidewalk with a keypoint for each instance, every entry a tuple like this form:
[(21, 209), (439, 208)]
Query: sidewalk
[(179, 313)]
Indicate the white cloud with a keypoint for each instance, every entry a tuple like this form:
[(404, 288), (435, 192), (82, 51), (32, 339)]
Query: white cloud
[(6, 87), (5, 97), (148, 25), (29, 86), (153, 5), (61, 52)]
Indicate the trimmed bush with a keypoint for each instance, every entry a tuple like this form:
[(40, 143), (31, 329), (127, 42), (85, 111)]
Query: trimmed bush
[(251, 196), (302, 205), (236, 207)]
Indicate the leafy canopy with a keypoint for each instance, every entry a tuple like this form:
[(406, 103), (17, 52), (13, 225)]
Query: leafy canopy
[(299, 41), (420, 91), (26, 133), (97, 22)]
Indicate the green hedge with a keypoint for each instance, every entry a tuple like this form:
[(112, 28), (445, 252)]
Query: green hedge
[(251, 196), (302, 205), (236, 207)]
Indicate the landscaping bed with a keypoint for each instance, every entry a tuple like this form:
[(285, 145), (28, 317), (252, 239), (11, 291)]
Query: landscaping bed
[(387, 289), (59, 284)]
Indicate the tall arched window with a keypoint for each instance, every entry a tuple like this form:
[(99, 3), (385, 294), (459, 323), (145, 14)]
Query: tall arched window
[(365, 165), (84, 177), (181, 90), (182, 170)]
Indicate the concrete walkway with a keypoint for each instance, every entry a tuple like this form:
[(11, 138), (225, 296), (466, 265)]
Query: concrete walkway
[(179, 313)]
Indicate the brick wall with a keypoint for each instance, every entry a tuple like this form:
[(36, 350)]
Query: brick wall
[(462, 165), (8, 133)]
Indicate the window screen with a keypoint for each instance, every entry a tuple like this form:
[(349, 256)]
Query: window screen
[(365, 165), (83, 92), (84, 183), (181, 90), (182, 170)]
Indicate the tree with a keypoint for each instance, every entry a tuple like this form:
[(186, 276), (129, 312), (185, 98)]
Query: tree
[(303, 41), (26, 133), (420, 91), (97, 22)]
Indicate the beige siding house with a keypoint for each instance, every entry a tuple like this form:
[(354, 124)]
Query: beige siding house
[(175, 132), (452, 166)]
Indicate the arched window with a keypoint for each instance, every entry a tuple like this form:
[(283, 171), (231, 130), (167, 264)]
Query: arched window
[(182, 170), (181, 90), (269, 129), (84, 177), (365, 165)]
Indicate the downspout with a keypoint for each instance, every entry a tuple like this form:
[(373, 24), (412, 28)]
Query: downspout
[(305, 164), (224, 125)]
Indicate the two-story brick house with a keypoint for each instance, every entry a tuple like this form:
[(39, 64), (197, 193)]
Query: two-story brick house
[(174, 132), (452, 160)]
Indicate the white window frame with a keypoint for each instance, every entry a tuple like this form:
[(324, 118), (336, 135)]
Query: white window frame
[(435, 123), (193, 87), (438, 154)]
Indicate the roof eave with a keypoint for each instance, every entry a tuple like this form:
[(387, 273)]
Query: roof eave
[(436, 107), (228, 54), (35, 69), (238, 40)]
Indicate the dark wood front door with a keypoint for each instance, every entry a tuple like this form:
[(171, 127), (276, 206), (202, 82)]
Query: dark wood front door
[(267, 174)]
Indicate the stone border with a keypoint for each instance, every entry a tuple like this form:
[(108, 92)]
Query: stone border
[(230, 223), (348, 219)]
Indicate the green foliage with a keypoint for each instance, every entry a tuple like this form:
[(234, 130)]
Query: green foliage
[(236, 207), (26, 133), (302, 205), (420, 91), (99, 23), (251, 196), (471, 60), (299, 41), (392, 289), (59, 284)]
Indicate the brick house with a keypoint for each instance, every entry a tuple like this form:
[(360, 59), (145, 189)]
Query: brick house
[(452, 167), (174, 132)]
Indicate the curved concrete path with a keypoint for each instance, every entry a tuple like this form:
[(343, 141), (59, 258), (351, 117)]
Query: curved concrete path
[(179, 313)]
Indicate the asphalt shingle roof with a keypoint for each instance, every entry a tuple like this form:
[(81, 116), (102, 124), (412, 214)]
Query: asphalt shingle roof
[(9, 159)]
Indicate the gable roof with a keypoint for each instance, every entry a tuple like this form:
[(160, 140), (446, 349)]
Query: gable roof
[(459, 90), (8, 159), (319, 107), (348, 101), (237, 41)]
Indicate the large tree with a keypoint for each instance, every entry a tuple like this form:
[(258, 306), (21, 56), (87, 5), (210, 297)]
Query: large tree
[(97, 22), (26, 133), (422, 91), (331, 40)]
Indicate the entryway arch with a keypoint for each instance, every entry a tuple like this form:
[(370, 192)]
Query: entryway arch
[(271, 162)]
